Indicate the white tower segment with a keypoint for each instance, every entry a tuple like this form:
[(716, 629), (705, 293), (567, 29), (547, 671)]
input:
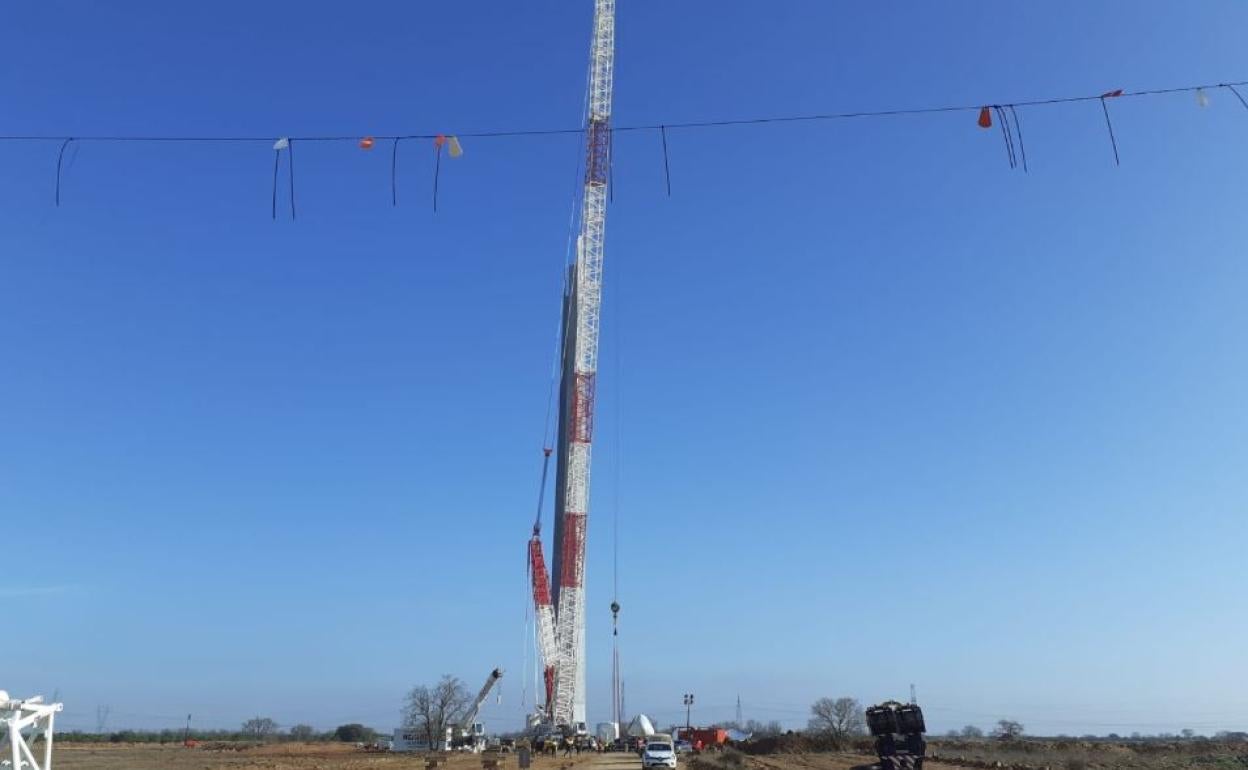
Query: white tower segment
[(23, 719), (569, 705)]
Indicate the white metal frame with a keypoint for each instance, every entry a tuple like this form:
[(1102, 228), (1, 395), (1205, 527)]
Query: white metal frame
[(20, 719), (569, 707)]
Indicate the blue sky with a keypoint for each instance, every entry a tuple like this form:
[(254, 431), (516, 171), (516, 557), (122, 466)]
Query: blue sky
[(874, 408)]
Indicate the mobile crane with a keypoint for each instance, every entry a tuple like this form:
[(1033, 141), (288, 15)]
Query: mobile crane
[(469, 734)]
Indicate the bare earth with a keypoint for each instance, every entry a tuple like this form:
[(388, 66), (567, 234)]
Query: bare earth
[(321, 756), (293, 756), (282, 756)]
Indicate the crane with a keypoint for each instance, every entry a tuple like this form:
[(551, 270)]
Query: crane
[(560, 608), (564, 656), (544, 611), (467, 733)]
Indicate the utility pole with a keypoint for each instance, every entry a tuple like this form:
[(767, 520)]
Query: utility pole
[(739, 725), (186, 737), (688, 707)]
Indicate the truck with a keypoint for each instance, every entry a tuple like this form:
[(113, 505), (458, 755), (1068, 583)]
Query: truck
[(708, 737), (898, 730)]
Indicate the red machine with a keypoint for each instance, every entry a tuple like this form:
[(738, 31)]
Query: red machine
[(708, 736)]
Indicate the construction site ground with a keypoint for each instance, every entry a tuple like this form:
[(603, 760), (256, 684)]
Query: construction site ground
[(328, 756), (321, 756)]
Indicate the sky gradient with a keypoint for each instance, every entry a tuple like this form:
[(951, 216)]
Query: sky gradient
[(874, 409)]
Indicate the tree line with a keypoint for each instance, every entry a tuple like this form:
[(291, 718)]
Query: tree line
[(263, 729)]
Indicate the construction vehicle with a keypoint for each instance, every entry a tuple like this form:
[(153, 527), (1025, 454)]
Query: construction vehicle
[(898, 730), (469, 734)]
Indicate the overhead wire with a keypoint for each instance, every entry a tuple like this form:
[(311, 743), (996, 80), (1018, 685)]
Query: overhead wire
[(1010, 125), (660, 127)]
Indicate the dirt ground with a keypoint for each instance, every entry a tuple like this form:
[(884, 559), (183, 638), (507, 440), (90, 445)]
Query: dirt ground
[(1024, 755), (282, 756), (288, 756), (294, 756)]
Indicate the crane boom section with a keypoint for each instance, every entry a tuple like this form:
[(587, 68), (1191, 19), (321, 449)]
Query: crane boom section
[(570, 608), (470, 715)]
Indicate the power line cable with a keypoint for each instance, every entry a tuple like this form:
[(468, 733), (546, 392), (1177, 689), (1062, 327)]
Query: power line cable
[(660, 127)]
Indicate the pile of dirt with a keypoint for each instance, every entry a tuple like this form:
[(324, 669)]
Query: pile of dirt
[(1080, 754), (725, 759), (803, 743)]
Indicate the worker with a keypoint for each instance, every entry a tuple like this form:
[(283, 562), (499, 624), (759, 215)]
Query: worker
[(697, 746)]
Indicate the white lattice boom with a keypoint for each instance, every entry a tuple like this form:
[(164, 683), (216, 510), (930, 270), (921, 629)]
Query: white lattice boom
[(20, 719), (566, 704), (570, 612)]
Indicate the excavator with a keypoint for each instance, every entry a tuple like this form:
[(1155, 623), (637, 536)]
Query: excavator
[(468, 734)]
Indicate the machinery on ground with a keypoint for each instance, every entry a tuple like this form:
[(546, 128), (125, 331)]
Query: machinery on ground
[(469, 734), (640, 727), (898, 729), (707, 737)]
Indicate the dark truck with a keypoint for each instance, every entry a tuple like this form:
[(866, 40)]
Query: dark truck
[(898, 729)]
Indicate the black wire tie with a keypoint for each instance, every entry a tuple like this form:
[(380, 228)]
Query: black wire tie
[(60, 158), (1109, 124)]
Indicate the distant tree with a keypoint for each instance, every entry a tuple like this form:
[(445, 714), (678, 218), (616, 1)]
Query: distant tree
[(355, 733), (762, 729), (1007, 730), (840, 718), (953, 733), (1187, 733), (259, 728), (971, 731), (302, 733), (430, 710)]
